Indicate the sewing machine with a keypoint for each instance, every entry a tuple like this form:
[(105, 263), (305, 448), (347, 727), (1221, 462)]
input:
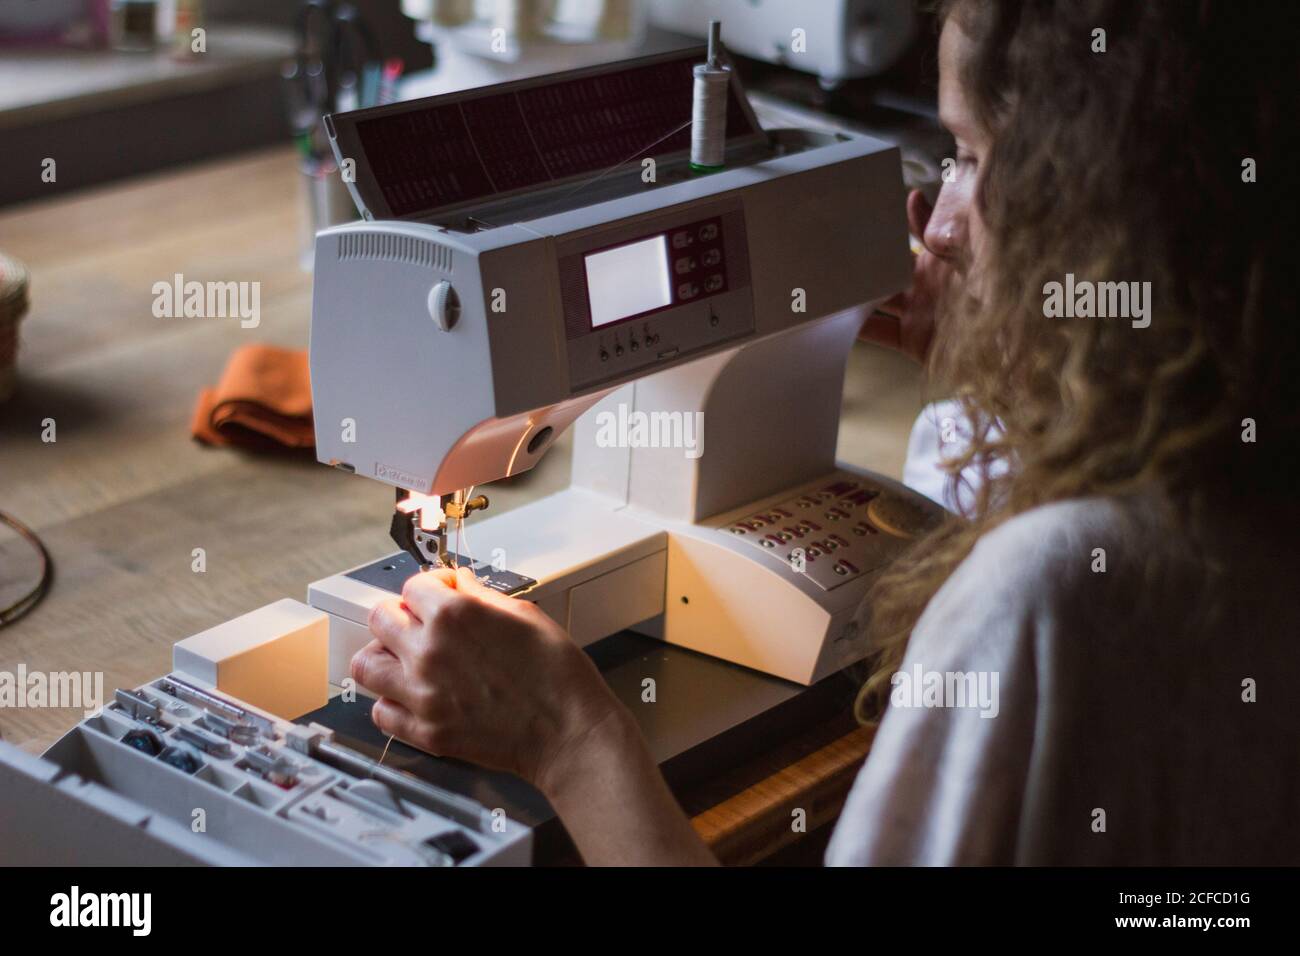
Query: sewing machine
[(835, 39), (462, 326), (534, 256)]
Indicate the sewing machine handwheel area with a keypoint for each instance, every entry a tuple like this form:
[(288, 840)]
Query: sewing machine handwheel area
[(902, 517)]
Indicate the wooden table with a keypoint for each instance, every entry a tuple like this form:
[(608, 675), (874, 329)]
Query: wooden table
[(123, 495)]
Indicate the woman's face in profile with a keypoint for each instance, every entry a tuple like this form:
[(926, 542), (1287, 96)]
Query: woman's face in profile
[(955, 232)]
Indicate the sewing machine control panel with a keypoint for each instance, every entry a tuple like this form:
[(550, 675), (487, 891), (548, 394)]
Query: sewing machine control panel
[(643, 294), (833, 533)]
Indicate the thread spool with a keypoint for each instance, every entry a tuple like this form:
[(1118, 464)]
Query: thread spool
[(709, 107)]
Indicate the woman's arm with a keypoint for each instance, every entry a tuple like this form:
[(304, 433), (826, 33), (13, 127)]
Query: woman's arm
[(466, 672), (613, 800)]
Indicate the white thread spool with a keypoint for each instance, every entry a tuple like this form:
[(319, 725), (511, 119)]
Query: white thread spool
[(709, 106)]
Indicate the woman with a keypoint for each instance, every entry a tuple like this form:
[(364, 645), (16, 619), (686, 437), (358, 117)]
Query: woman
[(1122, 577)]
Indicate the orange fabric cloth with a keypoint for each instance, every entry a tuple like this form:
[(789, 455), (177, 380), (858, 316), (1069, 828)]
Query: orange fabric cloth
[(262, 402)]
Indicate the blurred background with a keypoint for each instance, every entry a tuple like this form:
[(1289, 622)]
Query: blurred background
[(119, 88)]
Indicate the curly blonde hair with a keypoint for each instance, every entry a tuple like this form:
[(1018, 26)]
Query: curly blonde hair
[(1127, 165)]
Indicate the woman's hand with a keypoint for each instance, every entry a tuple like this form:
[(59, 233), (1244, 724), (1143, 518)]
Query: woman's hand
[(464, 671), (467, 672), (906, 321)]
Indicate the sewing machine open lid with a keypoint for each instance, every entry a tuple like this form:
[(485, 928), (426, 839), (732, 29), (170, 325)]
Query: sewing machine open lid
[(504, 150)]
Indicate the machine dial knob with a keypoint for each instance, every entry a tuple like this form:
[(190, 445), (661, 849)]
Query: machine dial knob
[(444, 305)]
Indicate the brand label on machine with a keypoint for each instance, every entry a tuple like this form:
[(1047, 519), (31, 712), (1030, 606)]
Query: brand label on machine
[(398, 477)]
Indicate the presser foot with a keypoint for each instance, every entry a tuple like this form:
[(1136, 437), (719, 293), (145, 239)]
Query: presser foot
[(423, 535), (426, 545)]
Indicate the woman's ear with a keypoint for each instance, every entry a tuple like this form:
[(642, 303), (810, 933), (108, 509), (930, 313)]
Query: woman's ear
[(919, 210)]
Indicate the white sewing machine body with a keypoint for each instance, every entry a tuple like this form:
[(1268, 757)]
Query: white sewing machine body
[(446, 354)]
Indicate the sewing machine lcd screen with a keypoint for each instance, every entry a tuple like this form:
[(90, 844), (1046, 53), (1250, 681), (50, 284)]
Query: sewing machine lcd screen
[(628, 280)]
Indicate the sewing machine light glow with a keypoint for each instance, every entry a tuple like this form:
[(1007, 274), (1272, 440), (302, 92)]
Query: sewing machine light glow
[(628, 280), (428, 507)]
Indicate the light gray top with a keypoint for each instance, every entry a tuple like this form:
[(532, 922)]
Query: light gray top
[(1119, 702)]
